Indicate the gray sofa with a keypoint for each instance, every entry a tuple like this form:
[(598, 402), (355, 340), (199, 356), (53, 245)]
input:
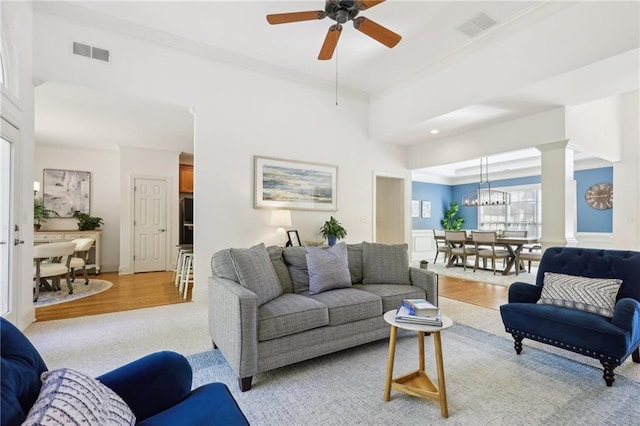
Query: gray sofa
[(271, 307)]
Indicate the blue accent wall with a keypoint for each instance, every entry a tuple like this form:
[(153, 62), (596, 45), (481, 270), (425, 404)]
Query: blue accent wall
[(440, 197), (588, 218)]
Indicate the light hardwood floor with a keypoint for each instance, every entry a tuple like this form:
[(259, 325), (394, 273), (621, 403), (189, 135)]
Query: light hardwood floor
[(156, 288)]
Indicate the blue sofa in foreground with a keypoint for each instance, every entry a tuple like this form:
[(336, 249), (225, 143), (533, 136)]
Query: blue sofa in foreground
[(154, 390), (584, 300)]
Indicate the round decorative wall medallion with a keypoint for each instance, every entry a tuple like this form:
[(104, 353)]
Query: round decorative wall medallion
[(600, 196)]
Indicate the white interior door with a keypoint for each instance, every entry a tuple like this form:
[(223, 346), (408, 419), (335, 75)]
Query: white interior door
[(390, 216), (150, 225)]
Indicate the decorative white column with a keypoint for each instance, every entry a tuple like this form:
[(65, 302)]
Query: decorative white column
[(558, 195)]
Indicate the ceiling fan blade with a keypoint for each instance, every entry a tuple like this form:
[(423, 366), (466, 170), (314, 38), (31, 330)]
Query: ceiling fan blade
[(330, 42), (376, 31), (285, 18), (367, 4)]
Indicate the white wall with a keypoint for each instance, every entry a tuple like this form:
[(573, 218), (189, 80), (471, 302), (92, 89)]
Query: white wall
[(104, 167), (626, 177), (238, 114), (595, 127), (17, 106)]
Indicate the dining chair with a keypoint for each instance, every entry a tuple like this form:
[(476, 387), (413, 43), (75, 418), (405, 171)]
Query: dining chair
[(81, 258), (58, 257), (458, 248), (485, 245), (518, 234), (441, 246), (534, 254)]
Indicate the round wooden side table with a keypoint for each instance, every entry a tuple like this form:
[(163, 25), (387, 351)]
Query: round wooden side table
[(417, 383)]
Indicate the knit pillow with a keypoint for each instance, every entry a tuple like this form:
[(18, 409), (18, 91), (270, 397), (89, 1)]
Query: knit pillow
[(596, 295), (328, 268), (255, 272), (68, 397)]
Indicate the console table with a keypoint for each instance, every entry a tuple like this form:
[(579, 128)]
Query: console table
[(59, 236)]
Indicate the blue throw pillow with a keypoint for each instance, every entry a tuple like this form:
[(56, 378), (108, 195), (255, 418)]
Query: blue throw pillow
[(328, 268)]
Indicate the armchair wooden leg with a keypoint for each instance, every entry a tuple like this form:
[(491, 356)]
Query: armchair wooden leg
[(245, 383), (608, 375), (86, 276), (517, 344), (69, 286), (635, 356)]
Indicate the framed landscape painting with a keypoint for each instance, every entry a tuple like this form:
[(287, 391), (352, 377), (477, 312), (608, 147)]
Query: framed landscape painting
[(293, 185), (66, 191)]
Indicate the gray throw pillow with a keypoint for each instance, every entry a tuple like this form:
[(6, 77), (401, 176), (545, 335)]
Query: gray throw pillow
[(296, 260), (275, 253), (596, 295), (255, 272), (328, 268), (354, 253), (385, 263)]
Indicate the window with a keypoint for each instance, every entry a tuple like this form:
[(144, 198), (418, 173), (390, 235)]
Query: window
[(524, 212)]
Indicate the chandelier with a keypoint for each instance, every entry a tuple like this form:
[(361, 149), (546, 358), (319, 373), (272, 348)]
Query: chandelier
[(484, 195)]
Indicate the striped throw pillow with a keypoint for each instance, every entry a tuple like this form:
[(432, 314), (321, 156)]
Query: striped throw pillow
[(68, 397), (596, 295)]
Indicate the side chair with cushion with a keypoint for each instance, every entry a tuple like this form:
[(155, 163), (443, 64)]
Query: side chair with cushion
[(584, 300), (533, 254), (485, 245), (154, 390), (52, 261), (80, 258), (458, 248), (441, 245)]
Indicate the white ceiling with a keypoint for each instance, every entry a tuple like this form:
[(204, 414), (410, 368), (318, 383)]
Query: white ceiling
[(237, 32)]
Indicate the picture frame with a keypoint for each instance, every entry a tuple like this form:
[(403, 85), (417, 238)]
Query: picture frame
[(294, 239), (426, 209), (65, 191), (415, 208), (294, 185)]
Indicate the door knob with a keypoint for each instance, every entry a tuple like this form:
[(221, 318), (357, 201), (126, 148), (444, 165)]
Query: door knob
[(17, 241), (161, 230)]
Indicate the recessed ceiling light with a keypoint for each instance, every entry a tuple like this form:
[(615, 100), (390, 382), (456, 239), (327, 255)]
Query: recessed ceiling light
[(435, 131)]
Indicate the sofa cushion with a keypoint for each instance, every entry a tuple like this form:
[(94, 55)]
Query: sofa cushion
[(385, 263), (275, 254), (328, 268), (392, 294), (255, 272), (595, 295), (290, 314), (222, 265), (354, 253), (72, 398), (296, 260), (348, 305)]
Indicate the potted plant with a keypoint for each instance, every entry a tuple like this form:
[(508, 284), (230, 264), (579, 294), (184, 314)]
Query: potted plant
[(332, 230), (424, 264), (40, 213), (86, 222), (450, 222)]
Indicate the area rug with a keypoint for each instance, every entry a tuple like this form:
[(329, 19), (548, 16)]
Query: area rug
[(483, 276), (486, 383), (80, 290)]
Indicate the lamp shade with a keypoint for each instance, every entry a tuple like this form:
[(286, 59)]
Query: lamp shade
[(36, 186), (280, 218)]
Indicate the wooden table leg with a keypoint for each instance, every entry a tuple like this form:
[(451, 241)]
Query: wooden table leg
[(444, 411), (390, 360), (420, 351)]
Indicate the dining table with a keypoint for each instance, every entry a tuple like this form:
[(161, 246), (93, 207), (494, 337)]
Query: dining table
[(513, 245)]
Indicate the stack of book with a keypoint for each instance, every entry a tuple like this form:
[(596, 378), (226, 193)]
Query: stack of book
[(419, 311)]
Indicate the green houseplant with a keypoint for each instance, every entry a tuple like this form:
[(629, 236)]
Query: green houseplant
[(332, 230), (86, 222), (40, 213), (450, 222), (424, 264)]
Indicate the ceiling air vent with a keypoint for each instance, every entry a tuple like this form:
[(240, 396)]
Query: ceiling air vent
[(477, 25), (90, 51)]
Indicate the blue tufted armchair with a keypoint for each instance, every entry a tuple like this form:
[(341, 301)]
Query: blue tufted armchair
[(157, 387), (610, 340)]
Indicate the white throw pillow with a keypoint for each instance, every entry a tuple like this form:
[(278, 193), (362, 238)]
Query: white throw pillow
[(68, 397), (596, 295)]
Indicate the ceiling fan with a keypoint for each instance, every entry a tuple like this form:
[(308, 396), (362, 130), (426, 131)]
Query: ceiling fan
[(341, 11)]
